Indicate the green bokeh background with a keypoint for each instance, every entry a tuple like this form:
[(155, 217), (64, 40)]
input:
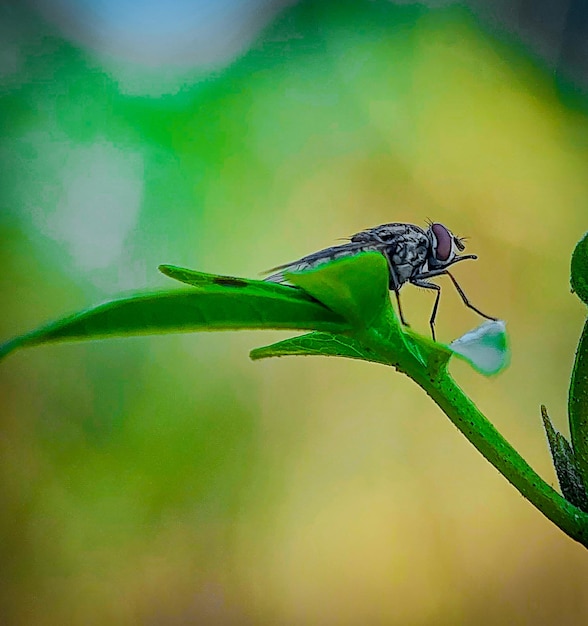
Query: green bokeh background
[(170, 480)]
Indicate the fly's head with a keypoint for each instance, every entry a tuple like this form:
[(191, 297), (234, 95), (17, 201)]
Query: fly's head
[(444, 247)]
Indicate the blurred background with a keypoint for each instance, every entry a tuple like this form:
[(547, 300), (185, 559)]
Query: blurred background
[(170, 480)]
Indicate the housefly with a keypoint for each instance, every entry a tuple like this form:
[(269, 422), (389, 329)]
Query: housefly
[(414, 255)]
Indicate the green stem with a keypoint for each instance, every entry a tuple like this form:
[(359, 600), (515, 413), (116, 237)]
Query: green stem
[(494, 447), (479, 431)]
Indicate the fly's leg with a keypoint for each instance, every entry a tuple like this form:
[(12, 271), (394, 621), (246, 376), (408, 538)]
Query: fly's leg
[(466, 301), (426, 285), (395, 283), (395, 286), (397, 294)]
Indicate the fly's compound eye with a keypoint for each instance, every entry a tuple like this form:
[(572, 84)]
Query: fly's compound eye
[(444, 240)]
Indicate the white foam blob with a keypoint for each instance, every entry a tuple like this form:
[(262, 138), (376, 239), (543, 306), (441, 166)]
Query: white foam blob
[(485, 347)]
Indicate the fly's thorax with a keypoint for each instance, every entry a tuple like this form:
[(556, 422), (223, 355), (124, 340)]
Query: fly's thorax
[(410, 251), (407, 254), (405, 271)]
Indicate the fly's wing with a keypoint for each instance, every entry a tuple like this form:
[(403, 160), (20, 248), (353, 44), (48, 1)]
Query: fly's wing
[(322, 256)]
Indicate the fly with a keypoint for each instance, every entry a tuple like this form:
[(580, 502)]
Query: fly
[(414, 255)]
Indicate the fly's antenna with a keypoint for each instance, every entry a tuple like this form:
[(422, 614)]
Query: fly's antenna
[(459, 242)]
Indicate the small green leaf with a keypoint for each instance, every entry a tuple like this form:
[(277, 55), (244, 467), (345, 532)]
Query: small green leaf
[(570, 480), (318, 344), (355, 287)]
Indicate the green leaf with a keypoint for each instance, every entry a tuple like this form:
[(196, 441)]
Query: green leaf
[(355, 287), (570, 480), (578, 405), (578, 392), (319, 344), (579, 270), (216, 305)]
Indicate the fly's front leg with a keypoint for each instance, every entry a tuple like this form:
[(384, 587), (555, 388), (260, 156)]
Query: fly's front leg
[(426, 285), (420, 281), (466, 301)]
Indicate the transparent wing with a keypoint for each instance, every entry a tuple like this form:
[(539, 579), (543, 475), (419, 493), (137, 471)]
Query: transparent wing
[(322, 256)]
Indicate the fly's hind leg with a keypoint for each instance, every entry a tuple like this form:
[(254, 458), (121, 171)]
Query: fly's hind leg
[(394, 285), (397, 294)]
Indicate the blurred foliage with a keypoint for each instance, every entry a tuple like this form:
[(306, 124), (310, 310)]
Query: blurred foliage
[(169, 480)]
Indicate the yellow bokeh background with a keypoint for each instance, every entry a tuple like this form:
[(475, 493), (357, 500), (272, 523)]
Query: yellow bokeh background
[(171, 480)]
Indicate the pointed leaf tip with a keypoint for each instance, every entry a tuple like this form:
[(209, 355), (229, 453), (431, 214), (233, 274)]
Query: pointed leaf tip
[(566, 466)]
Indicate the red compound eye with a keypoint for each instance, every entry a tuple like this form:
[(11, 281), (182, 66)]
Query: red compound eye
[(444, 240)]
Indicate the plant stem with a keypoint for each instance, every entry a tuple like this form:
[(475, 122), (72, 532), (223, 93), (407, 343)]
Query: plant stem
[(496, 449), (440, 386)]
